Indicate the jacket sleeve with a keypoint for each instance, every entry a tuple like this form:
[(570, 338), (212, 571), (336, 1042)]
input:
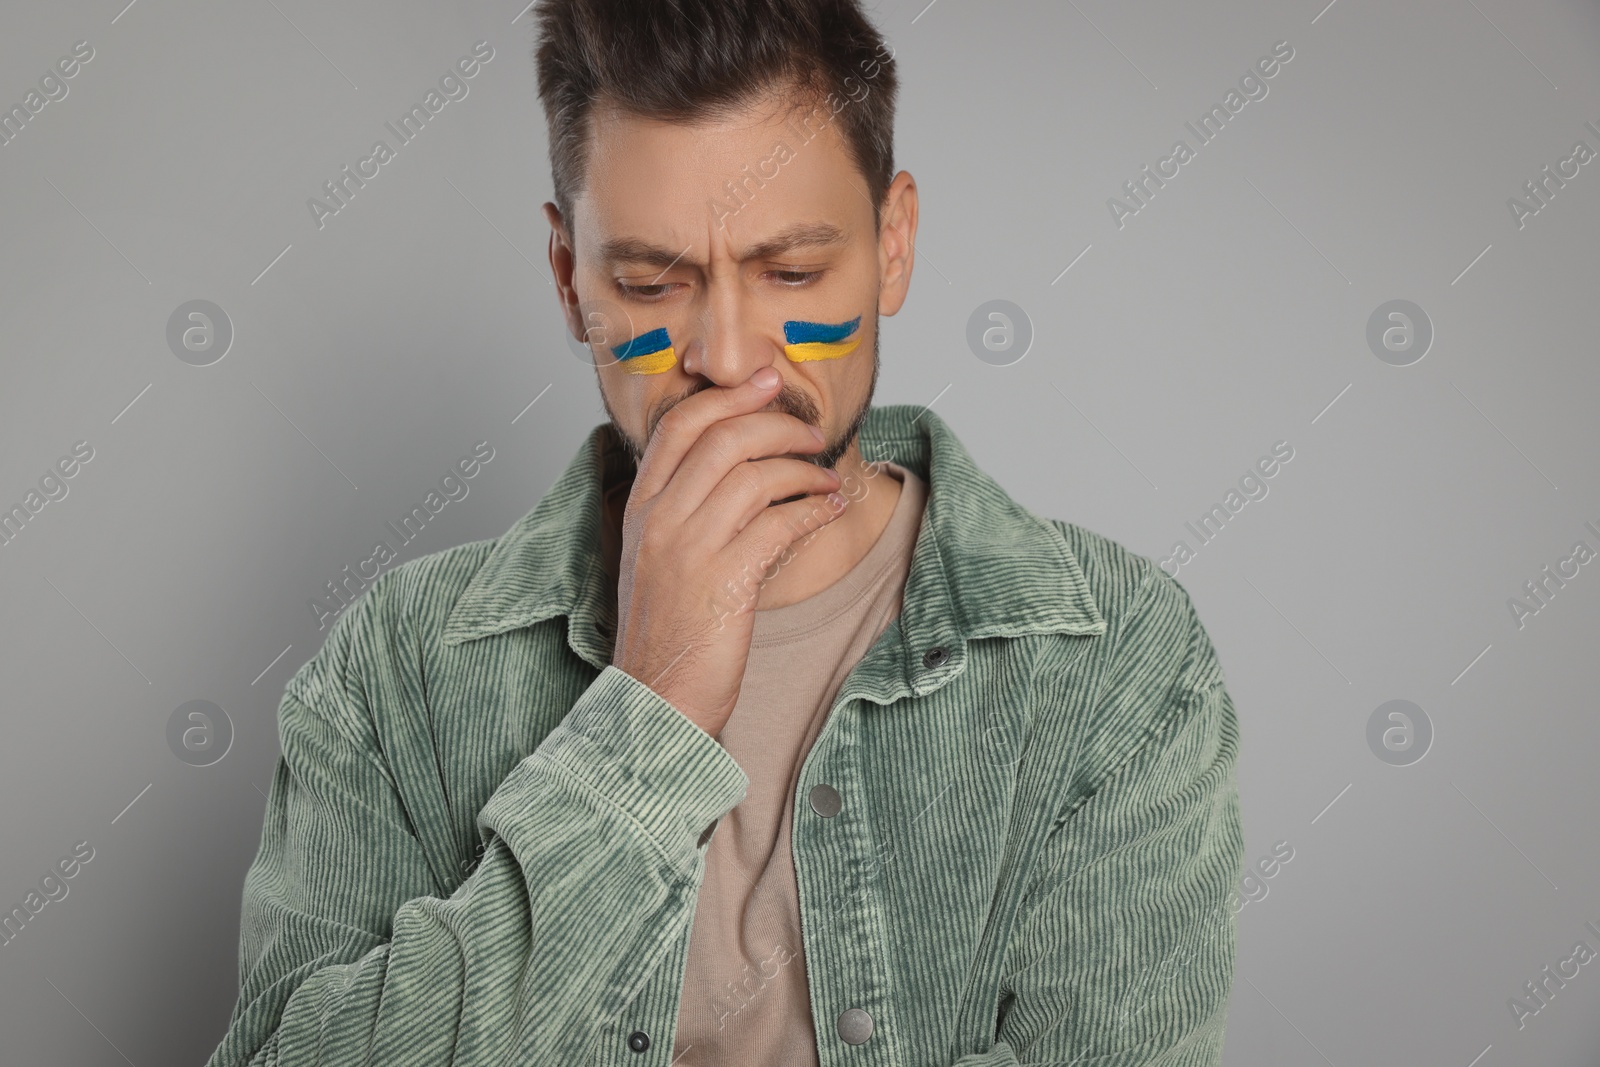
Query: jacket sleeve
[(349, 952), (1123, 949)]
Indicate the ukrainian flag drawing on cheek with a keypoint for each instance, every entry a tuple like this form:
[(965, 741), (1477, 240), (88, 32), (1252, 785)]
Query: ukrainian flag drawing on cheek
[(804, 341), (649, 353)]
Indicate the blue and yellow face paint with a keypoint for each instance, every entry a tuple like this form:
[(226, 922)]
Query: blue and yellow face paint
[(649, 353), (805, 341)]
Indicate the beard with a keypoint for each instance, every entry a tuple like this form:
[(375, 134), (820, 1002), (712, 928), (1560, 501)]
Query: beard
[(790, 400)]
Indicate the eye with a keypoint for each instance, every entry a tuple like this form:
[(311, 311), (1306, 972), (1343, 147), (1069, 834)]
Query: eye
[(645, 293), (795, 279)]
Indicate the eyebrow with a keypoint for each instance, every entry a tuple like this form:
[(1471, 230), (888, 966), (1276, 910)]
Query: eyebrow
[(801, 235)]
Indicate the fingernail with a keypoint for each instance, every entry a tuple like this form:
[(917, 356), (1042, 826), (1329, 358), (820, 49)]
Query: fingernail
[(816, 432), (837, 500), (765, 378)]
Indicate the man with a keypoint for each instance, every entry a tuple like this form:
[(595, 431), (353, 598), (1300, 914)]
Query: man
[(778, 732)]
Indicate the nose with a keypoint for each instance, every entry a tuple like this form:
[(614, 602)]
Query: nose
[(725, 346)]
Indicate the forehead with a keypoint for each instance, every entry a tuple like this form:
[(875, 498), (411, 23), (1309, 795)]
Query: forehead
[(745, 174)]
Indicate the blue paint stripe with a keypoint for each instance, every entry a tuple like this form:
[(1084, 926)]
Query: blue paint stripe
[(643, 345), (801, 333)]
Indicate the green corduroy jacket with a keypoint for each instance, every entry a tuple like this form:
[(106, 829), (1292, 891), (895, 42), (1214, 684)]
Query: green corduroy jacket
[(483, 842)]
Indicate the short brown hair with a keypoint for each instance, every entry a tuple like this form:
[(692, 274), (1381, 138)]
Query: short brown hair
[(687, 59)]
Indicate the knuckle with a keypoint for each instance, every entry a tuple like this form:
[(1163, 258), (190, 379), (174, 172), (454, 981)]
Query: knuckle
[(721, 439), (745, 479), (649, 538), (672, 423)]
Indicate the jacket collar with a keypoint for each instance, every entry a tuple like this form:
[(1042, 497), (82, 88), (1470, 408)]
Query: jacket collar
[(983, 565)]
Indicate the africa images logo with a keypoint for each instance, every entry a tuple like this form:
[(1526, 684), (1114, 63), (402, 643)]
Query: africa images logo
[(1252, 86), (453, 487), (342, 189)]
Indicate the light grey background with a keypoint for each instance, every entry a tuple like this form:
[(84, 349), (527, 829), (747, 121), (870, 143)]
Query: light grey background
[(1229, 314)]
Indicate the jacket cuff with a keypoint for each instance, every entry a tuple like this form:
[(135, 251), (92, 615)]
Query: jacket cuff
[(647, 758)]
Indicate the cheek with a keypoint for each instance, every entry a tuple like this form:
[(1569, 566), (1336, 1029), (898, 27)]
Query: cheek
[(648, 353), (655, 363), (808, 341)]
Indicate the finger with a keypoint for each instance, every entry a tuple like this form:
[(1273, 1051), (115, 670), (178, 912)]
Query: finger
[(727, 445), (677, 430), (775, 531), (749, 490)]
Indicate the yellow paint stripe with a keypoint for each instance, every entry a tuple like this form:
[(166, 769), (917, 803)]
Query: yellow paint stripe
[(820, 350), (651, 362)]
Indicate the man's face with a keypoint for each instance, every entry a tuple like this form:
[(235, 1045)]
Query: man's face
[(746, 242)]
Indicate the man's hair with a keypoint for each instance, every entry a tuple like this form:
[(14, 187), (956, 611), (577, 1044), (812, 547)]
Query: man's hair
[(681, 60)]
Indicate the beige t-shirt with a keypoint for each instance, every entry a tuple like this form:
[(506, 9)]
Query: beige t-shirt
[(745, 997)]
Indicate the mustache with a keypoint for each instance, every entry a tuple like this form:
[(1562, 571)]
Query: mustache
[(789, 400)]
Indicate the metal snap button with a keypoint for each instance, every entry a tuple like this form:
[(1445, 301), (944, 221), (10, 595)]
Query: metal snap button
[(639, 1041), (824, 800), (935, 657), (854, 1026)]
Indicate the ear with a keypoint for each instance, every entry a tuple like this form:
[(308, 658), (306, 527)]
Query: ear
[(562, 265), (897, 243)]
